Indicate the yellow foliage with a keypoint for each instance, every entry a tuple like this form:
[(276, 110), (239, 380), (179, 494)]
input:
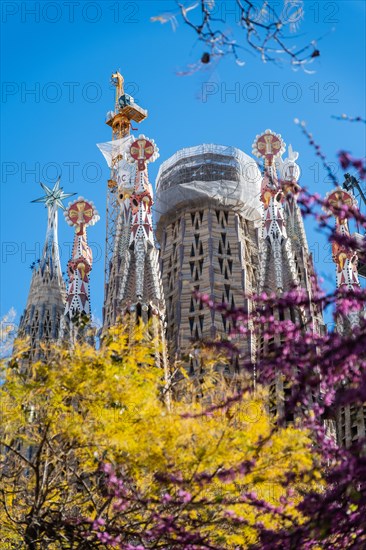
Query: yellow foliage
[(86, 407)]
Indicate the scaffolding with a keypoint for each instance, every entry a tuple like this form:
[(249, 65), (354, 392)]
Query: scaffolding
[(114, 153), (208, 208), (224, 174), (125, 110)]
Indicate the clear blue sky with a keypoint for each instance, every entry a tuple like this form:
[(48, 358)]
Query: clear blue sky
[(67, 58)]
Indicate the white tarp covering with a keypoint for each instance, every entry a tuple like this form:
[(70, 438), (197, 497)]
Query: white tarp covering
[(241, 192), (123, 172), (111, 149)]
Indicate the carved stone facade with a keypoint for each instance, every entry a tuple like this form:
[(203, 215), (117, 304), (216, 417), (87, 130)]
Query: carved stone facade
[(43, 314), (285, 259), (207, 210), (134, 290), (79, 214), (351, 419)]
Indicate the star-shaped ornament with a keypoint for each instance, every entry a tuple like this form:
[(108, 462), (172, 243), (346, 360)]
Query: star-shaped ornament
[(54, 196)]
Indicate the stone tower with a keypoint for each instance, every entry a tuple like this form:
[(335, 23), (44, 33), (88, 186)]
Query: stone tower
[(351, 418), (285, 261), (119, 120), (42, 319), (133, 289), (134, 292), (134, 281), (207, 204), (79, 214)]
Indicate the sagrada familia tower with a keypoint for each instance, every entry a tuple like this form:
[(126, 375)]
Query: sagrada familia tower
[(223, 230)]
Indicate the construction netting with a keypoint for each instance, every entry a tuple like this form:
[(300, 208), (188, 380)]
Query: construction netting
[(114, 153), (225, 174), (114, 149)]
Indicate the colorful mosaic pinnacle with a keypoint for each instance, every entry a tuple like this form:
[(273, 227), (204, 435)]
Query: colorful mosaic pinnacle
[(142, 151), (344, 257), (268, 146), (79, 214)]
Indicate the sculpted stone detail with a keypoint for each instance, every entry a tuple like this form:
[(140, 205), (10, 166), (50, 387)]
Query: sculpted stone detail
[(134, 281), (80, 214), (344, 257), (42, 320), (283, 236)]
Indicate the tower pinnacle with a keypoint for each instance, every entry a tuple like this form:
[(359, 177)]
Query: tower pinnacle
[(285, 260), (344, 257), (270, 146), (79, 214), (41, 320), (134, 292), (125, 110), (135, 284)]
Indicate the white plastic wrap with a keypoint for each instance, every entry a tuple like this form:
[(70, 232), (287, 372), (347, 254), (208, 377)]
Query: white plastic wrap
[(178, 182), (111, 149), (123, 172)]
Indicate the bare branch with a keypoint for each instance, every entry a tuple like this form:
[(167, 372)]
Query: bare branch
[(256, 23)]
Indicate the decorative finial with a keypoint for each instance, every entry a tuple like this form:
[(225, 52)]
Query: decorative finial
[(336, 199), (118, 80), (269, 146), (142, 150), (288, 170), (81, 212), (54, 196)]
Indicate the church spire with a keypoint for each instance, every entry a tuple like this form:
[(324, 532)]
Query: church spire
[(350, 418), (285, 260), (344, 257), (42, 317), (135, 286), (134, 292), (270, 146), (79, 214), (133, 289), (53, 200), (120, 121)]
